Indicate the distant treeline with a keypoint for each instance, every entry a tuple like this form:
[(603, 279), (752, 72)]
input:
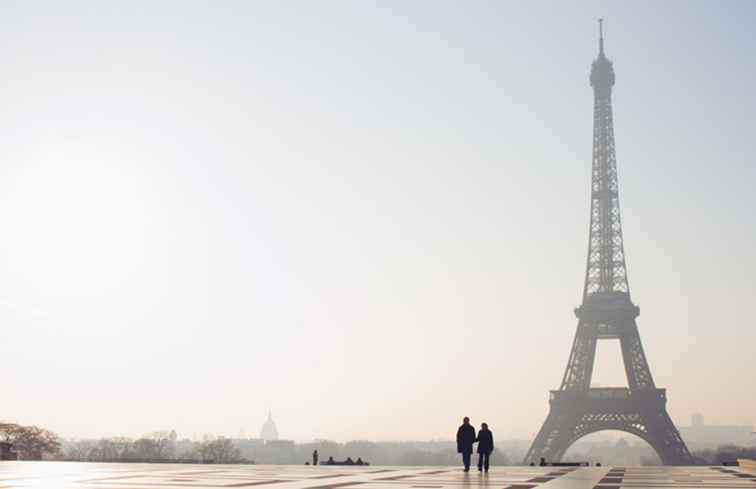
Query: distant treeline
[(724, 453), (156, 447)]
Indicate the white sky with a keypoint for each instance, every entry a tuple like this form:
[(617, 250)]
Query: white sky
[(370, 218)]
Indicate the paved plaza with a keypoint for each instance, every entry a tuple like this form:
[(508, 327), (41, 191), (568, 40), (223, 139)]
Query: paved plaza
[(49, 475)]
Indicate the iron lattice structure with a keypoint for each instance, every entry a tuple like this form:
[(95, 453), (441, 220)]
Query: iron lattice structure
[(607, 312)]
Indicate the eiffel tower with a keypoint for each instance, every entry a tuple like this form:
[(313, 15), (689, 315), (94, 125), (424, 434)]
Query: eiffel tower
[(607, 312)]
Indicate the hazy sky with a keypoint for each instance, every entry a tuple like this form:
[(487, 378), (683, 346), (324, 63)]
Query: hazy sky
[(369, 217)]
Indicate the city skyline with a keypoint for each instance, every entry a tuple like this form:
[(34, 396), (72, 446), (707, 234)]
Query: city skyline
[(334, 212)]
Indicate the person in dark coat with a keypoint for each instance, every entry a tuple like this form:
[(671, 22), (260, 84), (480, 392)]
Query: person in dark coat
[(465, 440), (485, 446)]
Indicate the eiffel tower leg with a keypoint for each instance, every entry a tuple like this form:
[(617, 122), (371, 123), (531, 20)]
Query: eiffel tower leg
[(553, 438), (666, 440)]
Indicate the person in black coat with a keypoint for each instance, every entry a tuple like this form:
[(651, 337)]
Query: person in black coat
[(485, 446), (465, 440)]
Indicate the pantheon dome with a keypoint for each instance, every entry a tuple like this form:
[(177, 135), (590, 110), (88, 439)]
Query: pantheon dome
[(269, 430)]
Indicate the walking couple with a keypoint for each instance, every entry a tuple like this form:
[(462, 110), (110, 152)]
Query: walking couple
[(465, 439)]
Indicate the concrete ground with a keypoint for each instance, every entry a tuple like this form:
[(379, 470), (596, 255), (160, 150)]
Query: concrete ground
[(61, 475)]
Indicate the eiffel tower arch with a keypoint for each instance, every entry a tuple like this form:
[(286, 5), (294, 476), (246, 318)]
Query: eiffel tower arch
[(607, 312)]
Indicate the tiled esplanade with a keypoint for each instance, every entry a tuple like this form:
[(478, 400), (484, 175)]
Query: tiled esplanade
[(75, 475)]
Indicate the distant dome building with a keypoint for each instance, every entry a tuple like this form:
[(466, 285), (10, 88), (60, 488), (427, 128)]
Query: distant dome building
[(269, 430)]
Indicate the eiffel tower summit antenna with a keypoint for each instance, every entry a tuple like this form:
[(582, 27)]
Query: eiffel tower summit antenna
[(607, 312)]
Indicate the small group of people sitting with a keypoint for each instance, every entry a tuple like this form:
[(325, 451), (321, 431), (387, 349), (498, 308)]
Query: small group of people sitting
[(348, 461), (331, 461), (544, 463), (466, 437)]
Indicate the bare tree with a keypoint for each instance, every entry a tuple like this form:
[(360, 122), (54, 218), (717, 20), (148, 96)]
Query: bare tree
[(30, 442), (218, 450), (165, 444), (79, 449), (115, 448), (158, 445)]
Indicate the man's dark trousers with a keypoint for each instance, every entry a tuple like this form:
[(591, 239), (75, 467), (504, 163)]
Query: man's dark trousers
[(466, 459), (483, 460)]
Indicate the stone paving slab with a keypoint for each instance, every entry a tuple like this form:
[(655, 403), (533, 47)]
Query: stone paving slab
[(71, 475)]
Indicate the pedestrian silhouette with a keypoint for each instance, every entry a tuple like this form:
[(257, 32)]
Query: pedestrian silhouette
[(315, 457), (465, 440), (485, 447), (542, 463)]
